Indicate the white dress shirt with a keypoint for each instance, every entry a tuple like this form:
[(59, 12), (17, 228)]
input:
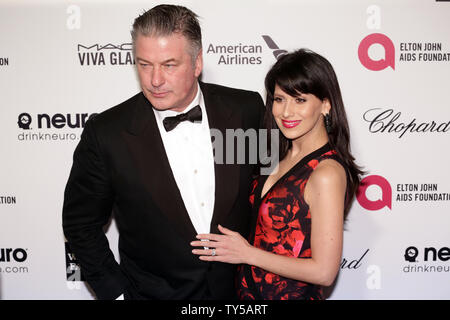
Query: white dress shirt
[(190, 153), (189, 150)]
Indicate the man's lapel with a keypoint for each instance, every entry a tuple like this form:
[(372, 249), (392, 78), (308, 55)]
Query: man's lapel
[(222, 116), (148, 151)]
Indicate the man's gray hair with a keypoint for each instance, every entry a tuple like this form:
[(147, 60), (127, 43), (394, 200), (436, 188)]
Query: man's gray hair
[(165, 20)]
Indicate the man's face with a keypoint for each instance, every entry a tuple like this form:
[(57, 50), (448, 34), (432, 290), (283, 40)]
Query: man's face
[(167, 73)]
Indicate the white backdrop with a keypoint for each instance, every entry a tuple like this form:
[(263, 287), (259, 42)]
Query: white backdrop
[(61, 61)]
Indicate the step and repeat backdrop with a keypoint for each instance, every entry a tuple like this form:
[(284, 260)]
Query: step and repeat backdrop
[(63, 61)]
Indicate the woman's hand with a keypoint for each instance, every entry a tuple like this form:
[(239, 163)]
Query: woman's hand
[(228, 247)]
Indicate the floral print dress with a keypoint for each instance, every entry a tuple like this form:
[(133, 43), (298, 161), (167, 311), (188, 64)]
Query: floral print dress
[(282, 225)]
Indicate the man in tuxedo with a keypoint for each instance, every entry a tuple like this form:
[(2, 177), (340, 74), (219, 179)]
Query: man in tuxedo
[(150, 160)]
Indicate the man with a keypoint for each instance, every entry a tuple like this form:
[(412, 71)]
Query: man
[(158, 174)]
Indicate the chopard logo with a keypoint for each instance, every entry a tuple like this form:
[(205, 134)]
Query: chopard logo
[(388, 121)]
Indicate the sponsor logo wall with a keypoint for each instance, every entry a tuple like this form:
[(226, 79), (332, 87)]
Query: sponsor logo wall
[(393, 64)]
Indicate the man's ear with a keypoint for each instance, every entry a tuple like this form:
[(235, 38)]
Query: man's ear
[(198, 66)]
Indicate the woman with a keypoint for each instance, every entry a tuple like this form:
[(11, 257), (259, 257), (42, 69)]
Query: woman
[(295, 245)]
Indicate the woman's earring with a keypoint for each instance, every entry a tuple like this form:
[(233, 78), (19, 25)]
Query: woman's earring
[(327, 119)]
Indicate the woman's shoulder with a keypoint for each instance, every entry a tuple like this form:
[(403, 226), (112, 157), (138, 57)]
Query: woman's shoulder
[(327, 181), (329, 174)]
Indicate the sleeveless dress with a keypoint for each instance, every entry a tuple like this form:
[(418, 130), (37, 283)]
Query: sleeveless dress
[(282, 225)]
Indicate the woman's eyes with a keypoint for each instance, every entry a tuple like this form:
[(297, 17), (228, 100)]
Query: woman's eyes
[(297, 100)]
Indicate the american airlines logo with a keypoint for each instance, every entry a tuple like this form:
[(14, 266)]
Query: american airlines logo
[(240, 53), (277, 52)]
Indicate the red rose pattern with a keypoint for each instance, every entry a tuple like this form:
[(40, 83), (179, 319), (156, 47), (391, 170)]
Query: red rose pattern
[(283, 227)]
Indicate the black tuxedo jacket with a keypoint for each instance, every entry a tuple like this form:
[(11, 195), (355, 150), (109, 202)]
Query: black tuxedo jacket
[(120, 166)]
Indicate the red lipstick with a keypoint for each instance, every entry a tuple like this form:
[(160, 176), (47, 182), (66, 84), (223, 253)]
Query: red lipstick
[(290, 124)]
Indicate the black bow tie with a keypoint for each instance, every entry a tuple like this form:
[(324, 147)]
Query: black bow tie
[(195, 114)]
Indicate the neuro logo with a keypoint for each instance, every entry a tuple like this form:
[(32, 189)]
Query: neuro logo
[(51, 127), (411, 254), (374, 205), (24, 121), (10, 254), (389, 52), (277, 52), (57, 120)]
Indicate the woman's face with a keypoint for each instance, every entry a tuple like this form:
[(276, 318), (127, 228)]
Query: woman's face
[(301, 116)]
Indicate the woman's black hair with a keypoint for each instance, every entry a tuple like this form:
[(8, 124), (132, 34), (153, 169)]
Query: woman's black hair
[(304, 71)]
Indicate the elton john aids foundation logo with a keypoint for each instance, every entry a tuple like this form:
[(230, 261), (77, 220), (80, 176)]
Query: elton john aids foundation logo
[(375, 204), (389, 52)]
